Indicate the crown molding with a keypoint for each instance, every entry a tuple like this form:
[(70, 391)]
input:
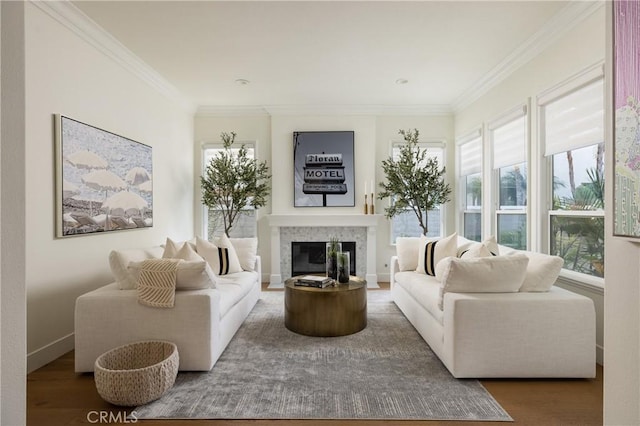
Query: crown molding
[(88, 30), (230, 111), (560, 24), (299, 110), (359, 110)]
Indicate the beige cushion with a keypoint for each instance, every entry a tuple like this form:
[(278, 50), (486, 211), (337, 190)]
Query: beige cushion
[(190, 275), (495, 274), (119, 261), (407, 252), (220, 255), (247, 251), (431, 251), (542, 271)]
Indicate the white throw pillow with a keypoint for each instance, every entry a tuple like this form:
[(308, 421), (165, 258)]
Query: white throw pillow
[(407, 252), (190, 275), (119, 261), (494, 274), (432, 251), (441, 267), (247, 251), (220, 255), (491, 244), (188, 253), (171, 248), (476, 250), (542, 271)]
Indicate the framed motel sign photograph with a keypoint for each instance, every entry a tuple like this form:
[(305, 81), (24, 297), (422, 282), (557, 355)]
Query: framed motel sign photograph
[(323, 172)]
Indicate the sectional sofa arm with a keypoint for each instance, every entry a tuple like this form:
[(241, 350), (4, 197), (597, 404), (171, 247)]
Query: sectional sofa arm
[(108, 317), (519, 334)]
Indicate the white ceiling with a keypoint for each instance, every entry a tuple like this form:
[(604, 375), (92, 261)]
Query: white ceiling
[(322, 53)]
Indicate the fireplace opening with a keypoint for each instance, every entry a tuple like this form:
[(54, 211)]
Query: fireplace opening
[(308, 257)]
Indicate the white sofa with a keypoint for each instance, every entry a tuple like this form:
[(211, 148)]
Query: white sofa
[(201, 323), (499, 334)]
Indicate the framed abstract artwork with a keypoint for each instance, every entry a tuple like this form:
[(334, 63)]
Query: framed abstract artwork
[(103, 180), (323, 173), (626, 98)]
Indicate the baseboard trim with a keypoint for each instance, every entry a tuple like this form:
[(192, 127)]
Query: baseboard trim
[(52, 351), (384, 277)]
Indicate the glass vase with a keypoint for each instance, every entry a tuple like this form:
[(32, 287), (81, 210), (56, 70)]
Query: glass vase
[(344, 265), (331, 259)]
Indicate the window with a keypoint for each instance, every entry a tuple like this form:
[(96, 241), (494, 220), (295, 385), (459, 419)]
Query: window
[(406, 224), (573, 126), (246, 226), (509, 139), (470, 156)]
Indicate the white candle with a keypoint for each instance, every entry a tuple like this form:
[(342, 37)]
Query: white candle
[(373, 188), (365, 186)]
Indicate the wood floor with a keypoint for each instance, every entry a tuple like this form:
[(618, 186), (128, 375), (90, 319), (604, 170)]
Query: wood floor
[(58, 396)]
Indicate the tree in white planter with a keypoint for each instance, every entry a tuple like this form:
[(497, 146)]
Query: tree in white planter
[(233, 181), (414, 181)]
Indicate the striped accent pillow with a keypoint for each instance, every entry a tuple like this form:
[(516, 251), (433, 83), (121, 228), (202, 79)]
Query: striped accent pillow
[(428, 259), (433, 251), (223, 261), (221, 255)]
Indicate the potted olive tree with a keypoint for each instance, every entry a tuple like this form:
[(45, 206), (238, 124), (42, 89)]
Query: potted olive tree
[(413, 182), (233, 181)]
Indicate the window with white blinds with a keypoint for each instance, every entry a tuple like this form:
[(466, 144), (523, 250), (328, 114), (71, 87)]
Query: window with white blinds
[(509, 143), (471, 156), (575, 120), (509, 151), (572, 128), (470, 193)]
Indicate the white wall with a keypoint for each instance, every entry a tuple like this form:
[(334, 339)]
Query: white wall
[(12, 212), (622, 301), (274, 136), (580, 48), (67, 75)]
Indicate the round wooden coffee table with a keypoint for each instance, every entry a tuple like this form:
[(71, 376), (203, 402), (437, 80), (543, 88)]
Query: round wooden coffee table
[(326, 312)]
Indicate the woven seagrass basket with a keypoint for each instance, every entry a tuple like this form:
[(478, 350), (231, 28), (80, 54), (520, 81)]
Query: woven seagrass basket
[(137, 373)]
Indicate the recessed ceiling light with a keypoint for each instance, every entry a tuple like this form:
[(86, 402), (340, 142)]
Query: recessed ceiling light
[(402, 81), (242, 81)]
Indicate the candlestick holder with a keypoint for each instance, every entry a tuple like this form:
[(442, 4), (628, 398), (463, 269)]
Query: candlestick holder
[(366, 206), (372, 209)]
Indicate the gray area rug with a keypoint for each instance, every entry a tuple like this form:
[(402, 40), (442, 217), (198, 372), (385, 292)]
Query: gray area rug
[(386, 371)]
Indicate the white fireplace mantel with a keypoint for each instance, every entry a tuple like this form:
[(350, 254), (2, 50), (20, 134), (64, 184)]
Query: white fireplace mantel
[(370, 222), (366, 220)]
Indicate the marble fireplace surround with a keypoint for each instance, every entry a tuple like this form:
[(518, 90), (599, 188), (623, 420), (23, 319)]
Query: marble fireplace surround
[(313, 227)]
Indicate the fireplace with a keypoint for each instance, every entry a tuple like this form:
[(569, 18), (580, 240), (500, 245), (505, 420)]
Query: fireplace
[(308, 257), (289, 228)]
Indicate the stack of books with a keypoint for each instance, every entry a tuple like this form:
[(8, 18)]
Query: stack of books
[(313, 281)]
